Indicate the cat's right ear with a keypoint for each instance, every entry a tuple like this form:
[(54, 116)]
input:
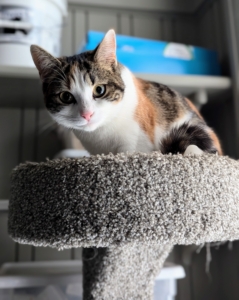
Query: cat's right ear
[(105, 53), (43, 60)]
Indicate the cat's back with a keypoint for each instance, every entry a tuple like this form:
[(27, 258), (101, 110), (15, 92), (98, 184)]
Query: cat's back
[(164, 104)]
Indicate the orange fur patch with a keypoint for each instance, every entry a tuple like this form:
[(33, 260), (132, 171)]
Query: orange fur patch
[(146, 112), (193, 108), (216, 142)]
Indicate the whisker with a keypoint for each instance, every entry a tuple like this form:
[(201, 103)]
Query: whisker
[(48, 127)]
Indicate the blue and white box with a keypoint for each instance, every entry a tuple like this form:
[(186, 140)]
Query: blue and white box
[(150, 56)]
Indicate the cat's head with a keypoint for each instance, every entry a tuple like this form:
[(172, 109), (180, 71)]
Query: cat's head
[(83, 91)]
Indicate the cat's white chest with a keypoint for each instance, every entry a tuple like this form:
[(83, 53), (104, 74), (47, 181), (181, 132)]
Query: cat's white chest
[(118, 137)]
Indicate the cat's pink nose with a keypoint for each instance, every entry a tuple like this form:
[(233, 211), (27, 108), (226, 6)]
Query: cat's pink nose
[(87, 115)]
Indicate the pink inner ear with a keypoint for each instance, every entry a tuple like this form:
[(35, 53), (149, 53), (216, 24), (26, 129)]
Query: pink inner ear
[(106, 52)]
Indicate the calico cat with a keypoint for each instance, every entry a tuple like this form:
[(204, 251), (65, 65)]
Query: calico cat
[(110, 110)]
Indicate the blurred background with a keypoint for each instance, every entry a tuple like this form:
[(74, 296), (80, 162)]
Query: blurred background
[(189, 45)]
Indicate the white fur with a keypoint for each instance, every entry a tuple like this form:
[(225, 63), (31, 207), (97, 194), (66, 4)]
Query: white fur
[(119, 132), (185, 119), (193, 149), (159, 134)]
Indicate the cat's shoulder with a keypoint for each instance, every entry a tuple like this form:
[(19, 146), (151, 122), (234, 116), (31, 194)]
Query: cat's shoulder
[(158, 90)]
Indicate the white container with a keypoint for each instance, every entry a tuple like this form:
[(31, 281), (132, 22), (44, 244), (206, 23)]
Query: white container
[(58, 280), (165, 287), (63, 280), (26, 22)]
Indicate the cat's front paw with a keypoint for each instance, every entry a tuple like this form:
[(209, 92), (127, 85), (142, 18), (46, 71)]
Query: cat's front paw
[(193, 149)]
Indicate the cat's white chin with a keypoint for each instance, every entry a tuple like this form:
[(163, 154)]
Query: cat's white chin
[(91, 126)]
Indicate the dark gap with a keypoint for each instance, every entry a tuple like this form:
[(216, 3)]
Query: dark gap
[(131, 24), (86, 21), (20, 143), (119, 27), (174, 32), (72, 254), (35, 156), (73, 32)]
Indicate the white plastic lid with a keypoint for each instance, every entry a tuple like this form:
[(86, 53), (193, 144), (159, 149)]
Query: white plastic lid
[(61, 4)]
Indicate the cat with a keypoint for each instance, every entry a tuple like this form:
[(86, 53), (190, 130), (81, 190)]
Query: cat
[(110, 110)]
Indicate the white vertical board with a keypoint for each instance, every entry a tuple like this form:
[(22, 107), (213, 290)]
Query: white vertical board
[(167, 29), (211, 28), (7, 246), (77, 253), (161, 28), (206, 28), (79, 29), (102, 21), (23, 252), (222, 30), (217, 33), (146, 27), (185, 32), (47, 253), (67, 41), (9, 147), (124, 24), (28, 135), (48, 141), (236, 17)]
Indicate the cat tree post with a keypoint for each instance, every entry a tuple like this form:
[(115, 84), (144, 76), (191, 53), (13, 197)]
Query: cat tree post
[(116, 271), (131, 208)]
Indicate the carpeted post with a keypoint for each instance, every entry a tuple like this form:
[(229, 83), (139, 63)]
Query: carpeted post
[(122, 272)]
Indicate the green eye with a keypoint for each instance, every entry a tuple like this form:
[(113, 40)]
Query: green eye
[(67, 98), (99, 90)]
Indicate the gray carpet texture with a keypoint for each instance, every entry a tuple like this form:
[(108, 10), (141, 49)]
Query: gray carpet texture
[(122, 272), (133, 204)]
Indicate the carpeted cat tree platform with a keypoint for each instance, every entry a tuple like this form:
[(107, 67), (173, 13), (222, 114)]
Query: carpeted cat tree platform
[(127, 211)]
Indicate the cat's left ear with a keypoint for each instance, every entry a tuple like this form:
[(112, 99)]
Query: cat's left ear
[(43, 60), (106, 51)]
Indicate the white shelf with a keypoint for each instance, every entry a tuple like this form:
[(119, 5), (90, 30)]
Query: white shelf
[(170, 6), (35, 274), (18, 72), (188, 84), (25, 81)]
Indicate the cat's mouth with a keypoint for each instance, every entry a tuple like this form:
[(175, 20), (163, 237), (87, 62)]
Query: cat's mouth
[(89, 125)]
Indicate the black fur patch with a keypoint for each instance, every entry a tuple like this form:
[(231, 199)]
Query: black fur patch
[(180, 138)]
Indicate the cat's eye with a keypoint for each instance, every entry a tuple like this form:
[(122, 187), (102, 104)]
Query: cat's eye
[(67, 98), (99, 90)]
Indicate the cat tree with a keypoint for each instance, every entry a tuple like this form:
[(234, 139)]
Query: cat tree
[(127, 211)]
